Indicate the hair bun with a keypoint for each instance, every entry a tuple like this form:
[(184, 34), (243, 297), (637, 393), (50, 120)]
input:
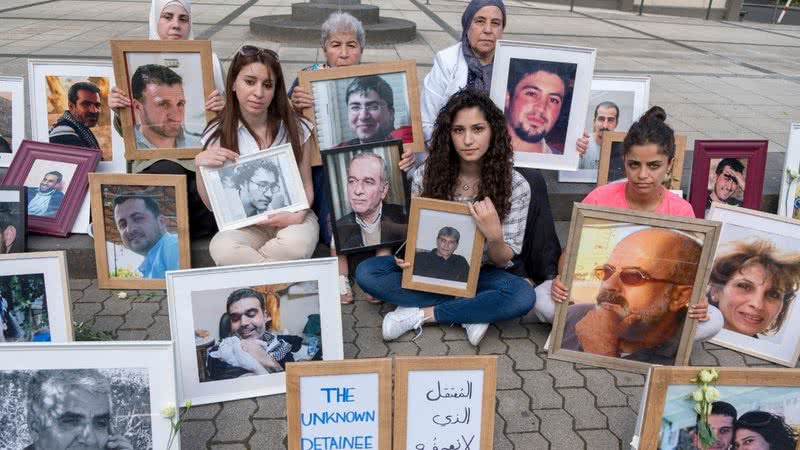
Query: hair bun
[(655, 113)]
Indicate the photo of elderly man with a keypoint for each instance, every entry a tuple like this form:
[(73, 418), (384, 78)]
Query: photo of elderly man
[(143, 230), (638, 314), (159, 104), (372, 220)]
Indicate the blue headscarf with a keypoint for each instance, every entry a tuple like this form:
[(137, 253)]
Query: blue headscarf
[(478, 76)]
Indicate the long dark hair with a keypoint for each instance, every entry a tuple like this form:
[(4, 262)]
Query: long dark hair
[(651, 129), (772, 427), (441, 168), (225, 126)]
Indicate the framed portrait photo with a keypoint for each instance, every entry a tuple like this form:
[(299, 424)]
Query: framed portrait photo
[(141, 229), (544, 91), (729, 172), (116, 388), (365, 103), (55, 178), (168, 82), (34, 298), (236, 327), (12, 117), (754, 283), (366, 184), (789, 205), (612, 167), (762, 403), (444, 248), (631, 277), (254, 187), (615, 103), (83, 122), (13, 219)]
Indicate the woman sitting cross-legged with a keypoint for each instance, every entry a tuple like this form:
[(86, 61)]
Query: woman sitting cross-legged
[(471, 161)]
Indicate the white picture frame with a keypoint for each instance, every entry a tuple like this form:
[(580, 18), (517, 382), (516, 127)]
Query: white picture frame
[(227, 206), (154, 357), (184, 284), (782, 347), (16, 86), (788, 197), (53, 268), (38, 70), (605, 88), (584, 59)]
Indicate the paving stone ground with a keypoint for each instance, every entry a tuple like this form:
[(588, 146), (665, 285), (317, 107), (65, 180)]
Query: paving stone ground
[(715, 79)]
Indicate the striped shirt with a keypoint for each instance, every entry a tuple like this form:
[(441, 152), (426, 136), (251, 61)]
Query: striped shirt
[(516, 218)]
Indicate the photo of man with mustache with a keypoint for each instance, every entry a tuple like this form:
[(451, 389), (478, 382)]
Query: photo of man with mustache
[(74, 126), (606, 118), (639, 312)]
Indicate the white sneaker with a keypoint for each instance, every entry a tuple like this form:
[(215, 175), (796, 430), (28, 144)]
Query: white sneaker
[(475, 332), (401, 320)]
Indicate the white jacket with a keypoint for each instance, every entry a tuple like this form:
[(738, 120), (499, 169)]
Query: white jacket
[(448, 75)]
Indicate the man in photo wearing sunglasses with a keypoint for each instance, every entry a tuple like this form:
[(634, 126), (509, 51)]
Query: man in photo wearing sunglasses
[(729, 179), (640, 309), (260, 187), (370, 112), (143, 230)]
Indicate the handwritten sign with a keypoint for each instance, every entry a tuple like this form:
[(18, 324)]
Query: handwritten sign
[(339, 405), (445, 403)]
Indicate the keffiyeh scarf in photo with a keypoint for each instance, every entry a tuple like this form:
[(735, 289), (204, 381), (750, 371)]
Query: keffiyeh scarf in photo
[(230, 351), (85, 133)]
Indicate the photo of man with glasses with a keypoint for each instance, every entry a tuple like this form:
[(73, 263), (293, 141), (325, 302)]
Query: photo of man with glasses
[(640, 309), (371, 112), (259, 187)]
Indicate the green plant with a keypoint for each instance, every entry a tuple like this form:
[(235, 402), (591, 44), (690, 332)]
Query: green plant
[(83, 332), (170, 412), (703, 397)]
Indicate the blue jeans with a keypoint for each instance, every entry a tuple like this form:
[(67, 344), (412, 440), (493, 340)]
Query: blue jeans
[(500, 295)]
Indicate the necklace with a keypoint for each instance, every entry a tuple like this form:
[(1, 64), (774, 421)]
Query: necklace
[(468, 184)]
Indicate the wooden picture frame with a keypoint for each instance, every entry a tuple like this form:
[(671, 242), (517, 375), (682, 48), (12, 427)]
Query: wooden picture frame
[(748, 226), (13, 212), (405, 365), (661, 378), (631, 95), (382, 367), (610, 138), (103, 230), (516, 61), (395, 203), (322, 112), (15, 86), (230, 211), (444, 286), (52, 266), (198, 307), (788, 205), (754, 151), (58, 222), (122, 74), (596, 216)]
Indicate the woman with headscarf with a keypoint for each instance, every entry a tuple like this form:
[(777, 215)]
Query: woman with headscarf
[(172, 20)]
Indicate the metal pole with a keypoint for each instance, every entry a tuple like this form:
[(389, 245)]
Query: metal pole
[(641, 7), (571, 5), (775, 12), (708, 11)]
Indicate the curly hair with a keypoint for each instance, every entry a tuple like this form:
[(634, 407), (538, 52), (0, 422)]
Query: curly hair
[(772, 427), (783, 269), (441, 168)]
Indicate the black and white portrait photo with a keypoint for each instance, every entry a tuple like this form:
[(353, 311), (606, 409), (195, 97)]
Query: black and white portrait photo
[(254, 187), (367, 196), (91, 409)]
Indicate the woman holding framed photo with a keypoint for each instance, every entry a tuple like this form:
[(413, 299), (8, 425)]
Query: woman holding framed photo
[(172, 20), (471, 162), (648, 153), (257, 116)]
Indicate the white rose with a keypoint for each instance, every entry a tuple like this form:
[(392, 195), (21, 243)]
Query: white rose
[(169, 411), (712, 394), (706, 376), (697, 395)]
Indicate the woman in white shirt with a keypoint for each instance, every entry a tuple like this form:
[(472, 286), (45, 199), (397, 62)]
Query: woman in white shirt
[(258, 115)]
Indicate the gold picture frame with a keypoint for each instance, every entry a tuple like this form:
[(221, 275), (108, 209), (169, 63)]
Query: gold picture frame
[(122, 74), (612, 137), (628, 221), (446, 287), (407, 67), (104, 230)]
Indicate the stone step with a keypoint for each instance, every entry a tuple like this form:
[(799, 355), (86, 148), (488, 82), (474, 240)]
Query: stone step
[(319, 12), (286, 28)]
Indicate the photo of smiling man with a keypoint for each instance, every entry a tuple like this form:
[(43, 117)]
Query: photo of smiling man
[(537, 104)]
